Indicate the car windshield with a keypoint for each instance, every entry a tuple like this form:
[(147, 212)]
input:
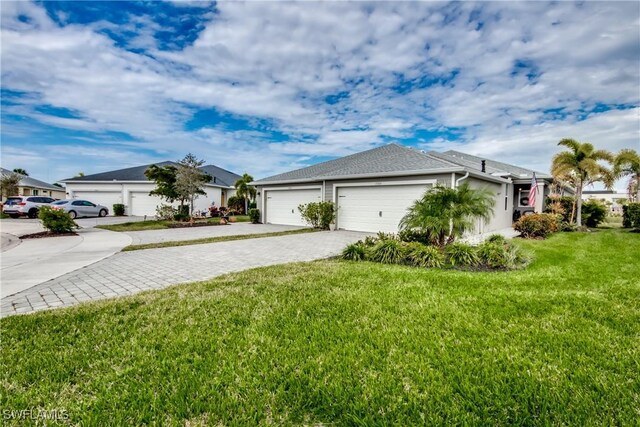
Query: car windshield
[(13, 201), (60, 202)]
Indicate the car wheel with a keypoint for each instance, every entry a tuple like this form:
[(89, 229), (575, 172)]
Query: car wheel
[(103, 212), (14, 216), (33, 213), (73, 214)]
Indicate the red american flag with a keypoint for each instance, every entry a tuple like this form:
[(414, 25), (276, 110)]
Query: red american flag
[(533, 192)]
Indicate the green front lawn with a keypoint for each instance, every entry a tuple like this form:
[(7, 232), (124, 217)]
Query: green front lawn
[(158, 224), (343, 343)]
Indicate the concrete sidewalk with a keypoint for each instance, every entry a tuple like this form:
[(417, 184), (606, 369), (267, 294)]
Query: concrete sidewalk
[(35, 261)]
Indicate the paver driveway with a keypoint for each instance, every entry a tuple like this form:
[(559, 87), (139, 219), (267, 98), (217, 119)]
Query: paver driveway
[(126, 273)]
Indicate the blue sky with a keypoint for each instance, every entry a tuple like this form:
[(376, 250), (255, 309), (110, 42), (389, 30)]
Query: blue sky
[(265, 87)]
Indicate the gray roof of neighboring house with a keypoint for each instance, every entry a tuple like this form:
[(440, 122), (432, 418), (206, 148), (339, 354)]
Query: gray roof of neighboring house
[(492, 167), (222, 177), (27, 181), (385, 159), (398, 159)]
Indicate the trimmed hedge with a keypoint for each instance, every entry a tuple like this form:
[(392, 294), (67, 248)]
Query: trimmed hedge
[(631, 215), (536, 225), (118, 209), (56, 220)]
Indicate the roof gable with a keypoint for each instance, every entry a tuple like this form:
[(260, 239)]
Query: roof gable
[(385, 159), (27, 181), (222, 176)]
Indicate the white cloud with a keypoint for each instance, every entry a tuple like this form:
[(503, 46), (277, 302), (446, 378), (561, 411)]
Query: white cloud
[(278, 62)]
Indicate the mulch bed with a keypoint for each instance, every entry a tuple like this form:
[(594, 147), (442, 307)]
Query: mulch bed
[(44, 234)]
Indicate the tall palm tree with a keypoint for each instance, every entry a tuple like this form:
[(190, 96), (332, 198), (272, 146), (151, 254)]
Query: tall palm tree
[(21, 171), (446, 213), (581, 163), (627, 163), (245, 190)]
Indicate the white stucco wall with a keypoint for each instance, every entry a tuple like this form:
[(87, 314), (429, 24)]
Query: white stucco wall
[(123, 194), (501, 218)]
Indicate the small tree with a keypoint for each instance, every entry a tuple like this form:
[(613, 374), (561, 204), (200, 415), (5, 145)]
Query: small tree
[(9, 184), (627, 163), (190, 179), (245, 190), (581, 163), (165, 178), (447, 213)]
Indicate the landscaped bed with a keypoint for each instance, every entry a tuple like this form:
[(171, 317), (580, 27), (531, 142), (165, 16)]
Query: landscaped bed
[(164, 224), (350, 343)]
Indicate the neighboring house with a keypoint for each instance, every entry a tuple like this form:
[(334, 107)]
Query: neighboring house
[(34, 187), (614, 199), (131, 188), (373, 189)]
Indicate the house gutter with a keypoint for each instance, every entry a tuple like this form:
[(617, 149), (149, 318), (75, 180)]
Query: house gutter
[(462, 178)]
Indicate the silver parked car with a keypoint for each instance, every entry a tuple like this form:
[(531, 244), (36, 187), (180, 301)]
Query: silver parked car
[(77, 208)]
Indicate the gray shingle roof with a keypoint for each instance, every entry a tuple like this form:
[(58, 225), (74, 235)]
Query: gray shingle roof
[(492, 167), (385, 159), (222, 177), (27, 181)]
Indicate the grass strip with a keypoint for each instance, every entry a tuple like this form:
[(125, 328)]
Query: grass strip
[(215, 239), (157, 224)]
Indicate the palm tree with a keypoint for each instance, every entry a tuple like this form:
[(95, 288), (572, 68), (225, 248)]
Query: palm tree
[(245, 190), (21, 171), (445, 213), (580, 163), (627, 163)]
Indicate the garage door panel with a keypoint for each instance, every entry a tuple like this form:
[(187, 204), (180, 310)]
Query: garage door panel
[(282, 205), (376, 208), (143, 204)]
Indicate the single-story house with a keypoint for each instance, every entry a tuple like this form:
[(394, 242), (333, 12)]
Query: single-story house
[(131, 188), (614, 199), (29, 186), (373, 189)]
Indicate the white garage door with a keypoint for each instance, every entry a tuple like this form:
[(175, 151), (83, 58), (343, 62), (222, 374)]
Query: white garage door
[(143, 204), (105, 198), (376, 208), (282, 205)]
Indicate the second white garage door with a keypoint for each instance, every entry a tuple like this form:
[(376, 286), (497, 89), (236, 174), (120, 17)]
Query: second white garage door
[(105, 198), (376, 208), (282, 205), (143, 204)]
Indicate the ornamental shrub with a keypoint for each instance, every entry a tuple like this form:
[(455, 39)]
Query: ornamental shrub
[(536, 225), (118, 209), (165, 212), (593, 213), (631, 215), (318, 214), (355, 252), (56, 220), (497, 256), (415, 235), (419, 255), (254, 215), (388, 251), (461, 254)]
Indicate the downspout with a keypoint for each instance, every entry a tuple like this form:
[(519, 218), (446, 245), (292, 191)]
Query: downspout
[(459, 180)]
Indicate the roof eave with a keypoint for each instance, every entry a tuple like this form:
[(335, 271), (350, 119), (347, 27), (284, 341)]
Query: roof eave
[(486, 177)]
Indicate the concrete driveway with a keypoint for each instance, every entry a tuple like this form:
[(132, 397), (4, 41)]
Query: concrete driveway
[(233, 229), (126, 273)]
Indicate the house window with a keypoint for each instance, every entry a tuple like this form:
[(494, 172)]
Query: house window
[(36, 192), (523, 199)]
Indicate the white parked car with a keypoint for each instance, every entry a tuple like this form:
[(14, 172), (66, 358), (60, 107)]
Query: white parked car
[(77, 208), (18, 206)]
